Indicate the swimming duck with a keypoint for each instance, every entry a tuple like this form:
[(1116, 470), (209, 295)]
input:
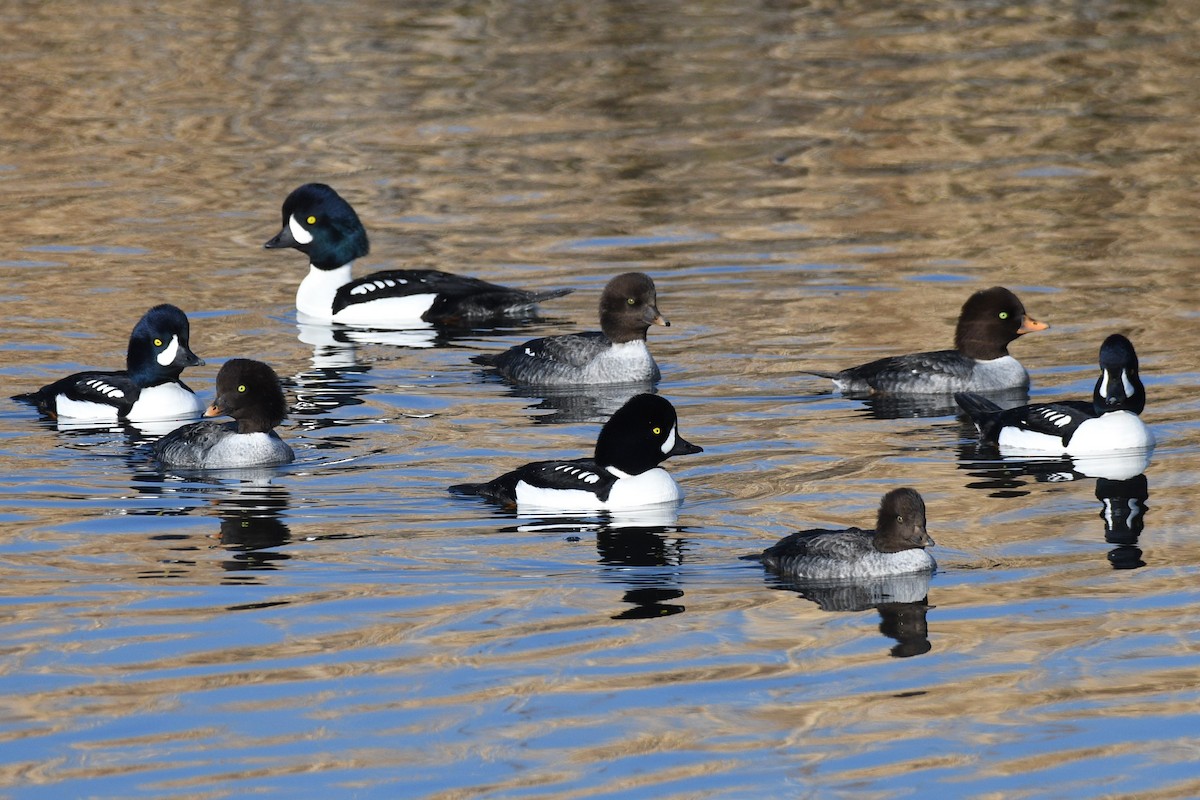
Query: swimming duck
[(895, 547), (147, 389), (623, 473), (323, 226), (1108, 422), (248, 391), (616, 353), (979, 362)]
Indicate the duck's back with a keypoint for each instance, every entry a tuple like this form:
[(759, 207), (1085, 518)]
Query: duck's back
[(936, 372), (850, 553), (575, 359)]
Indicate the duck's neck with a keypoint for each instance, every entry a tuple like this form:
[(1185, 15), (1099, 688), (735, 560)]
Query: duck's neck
[(255, 424), (314, 298), (976, 343)]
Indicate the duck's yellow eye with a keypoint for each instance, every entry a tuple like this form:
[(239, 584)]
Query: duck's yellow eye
[(1003, 315), (312, 220), (657, 430), (158, 342), (242, 388), (631, 301)]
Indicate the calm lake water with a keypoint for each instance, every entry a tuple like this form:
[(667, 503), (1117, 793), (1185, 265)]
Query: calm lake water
[(811, 186)]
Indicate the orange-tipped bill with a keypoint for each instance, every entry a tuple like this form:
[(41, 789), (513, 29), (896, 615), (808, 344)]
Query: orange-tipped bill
[(657, 318), (213, 411), (1029, 325)]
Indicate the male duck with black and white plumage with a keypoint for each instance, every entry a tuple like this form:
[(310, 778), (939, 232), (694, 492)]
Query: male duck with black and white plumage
[(318, 222), (147, 390)]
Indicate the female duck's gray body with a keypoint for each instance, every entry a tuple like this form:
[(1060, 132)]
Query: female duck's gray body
[(615, 354), (979, 362), (895, 547), (248, 391)]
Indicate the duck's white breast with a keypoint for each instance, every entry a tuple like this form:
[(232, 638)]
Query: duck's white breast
[(1116, 430), (166, 401), (627, 362)]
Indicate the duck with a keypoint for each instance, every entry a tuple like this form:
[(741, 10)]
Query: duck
[(990, 319), (623, 472), (1109, 422), (148, 389), (318, 222), (895, 547), (248, 391), (615, 354)]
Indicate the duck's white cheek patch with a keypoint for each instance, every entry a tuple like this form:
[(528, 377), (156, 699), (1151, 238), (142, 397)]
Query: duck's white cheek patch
[(167, 356), (669, 444), (301, 235), (1125, 383), (1104, 383)]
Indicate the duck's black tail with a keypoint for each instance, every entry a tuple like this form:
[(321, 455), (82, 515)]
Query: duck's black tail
[(485, 359), (982, 411), (39, 399), (548, 294)]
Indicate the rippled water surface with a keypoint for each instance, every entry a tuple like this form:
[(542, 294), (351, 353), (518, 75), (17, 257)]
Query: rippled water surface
[(812, 186)]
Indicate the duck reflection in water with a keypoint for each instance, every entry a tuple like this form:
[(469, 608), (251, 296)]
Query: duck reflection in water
[(252, 526), (641, 548), (558, 405), (647, 559), (339, 370), (337, 346), (898, 406), (901, 600), (1123, 509), (1121, 488), (250, 508)]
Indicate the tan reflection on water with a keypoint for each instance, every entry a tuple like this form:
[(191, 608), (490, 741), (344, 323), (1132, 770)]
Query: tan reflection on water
[(811, 187)]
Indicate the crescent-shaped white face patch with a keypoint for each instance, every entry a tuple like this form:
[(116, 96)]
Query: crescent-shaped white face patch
[(669, 444), (1104, 383), (167, 356), (1125, 382), (298, 231)]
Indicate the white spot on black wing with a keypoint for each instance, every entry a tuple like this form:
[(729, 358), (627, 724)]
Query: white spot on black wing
[(106, 389)]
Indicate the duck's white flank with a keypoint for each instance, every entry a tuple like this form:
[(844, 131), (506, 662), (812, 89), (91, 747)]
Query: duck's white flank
[(1116, 430), (630, 491), (314, 299)]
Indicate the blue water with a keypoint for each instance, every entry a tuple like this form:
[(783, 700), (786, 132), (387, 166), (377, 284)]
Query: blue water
[(811, 188)]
